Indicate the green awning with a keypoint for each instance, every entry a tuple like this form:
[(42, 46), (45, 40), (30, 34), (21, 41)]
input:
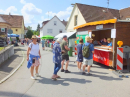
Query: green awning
[(47, 37)]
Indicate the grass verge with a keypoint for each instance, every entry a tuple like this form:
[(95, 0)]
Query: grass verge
[(1, 48)]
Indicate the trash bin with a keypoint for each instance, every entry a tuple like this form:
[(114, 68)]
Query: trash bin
[(70, 52)]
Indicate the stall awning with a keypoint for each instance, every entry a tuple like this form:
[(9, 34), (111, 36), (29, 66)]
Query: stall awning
[(69, 35), (97, 23)]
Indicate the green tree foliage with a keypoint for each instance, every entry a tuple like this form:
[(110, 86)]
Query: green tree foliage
[(36, 33), (29, 34), (29, 28), (38, 29)]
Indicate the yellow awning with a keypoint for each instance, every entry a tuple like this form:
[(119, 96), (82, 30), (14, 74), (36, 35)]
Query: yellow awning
[(97, 23)]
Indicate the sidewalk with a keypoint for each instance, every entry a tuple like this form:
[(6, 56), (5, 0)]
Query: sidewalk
[(11, 64)]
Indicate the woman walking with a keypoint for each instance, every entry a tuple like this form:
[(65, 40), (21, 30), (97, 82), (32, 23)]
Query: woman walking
[(33, 55), (79, 56), (57, 58)]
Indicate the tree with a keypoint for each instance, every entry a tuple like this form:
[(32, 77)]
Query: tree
[(36, 33), (29, 34), (29, 28), (38, 29)]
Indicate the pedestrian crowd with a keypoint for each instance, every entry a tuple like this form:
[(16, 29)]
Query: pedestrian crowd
[(60, 55)]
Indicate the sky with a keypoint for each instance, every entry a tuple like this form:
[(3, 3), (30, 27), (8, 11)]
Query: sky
[(37, 11)]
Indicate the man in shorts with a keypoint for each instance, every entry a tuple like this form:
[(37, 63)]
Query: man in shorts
[(65, 56), (88, 61)]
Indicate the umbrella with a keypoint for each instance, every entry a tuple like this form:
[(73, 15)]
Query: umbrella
[(13, 35), (47, 37)]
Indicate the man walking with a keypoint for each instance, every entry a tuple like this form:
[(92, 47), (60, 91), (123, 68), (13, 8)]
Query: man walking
[(65, 56), (43, 43), (88, 61)]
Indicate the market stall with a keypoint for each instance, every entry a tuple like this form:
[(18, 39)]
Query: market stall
[(117, 30)]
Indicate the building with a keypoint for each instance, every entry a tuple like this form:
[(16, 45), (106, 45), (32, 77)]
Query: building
[(4, 26), (17, 23), (82, 14), (53, 27)]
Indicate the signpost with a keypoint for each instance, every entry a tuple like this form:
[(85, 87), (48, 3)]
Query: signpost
[(10, 32)]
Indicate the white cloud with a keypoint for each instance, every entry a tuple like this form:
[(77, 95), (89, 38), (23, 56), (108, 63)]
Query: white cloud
[(61, 14), (11, 10), (68, 18), (22, 1), (29, 11)]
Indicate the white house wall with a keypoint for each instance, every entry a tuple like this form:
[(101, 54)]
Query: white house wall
[(55, 28), (80, 19)]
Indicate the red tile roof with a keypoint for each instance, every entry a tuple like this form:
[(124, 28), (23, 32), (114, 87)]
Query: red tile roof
[(95, 13), (125, 13), (14, 20)]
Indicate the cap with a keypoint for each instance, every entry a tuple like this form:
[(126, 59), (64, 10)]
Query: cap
[(64, 36)]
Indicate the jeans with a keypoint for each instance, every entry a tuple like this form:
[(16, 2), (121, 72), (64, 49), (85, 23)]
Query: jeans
[(57, 68)]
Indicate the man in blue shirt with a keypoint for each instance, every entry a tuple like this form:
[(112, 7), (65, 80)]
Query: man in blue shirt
[(88, 61)]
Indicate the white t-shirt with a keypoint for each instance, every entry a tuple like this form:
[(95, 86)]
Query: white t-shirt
[(34, 49)]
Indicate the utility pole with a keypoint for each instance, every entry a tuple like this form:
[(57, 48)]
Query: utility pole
[(48, 15), (107, 4)]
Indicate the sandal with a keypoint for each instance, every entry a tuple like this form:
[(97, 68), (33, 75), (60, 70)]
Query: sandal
[(58, 77), (54, 79)]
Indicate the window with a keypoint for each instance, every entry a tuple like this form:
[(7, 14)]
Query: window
[(16, 29), (60, 31), (49, 31), (75, 20), (55, 23)]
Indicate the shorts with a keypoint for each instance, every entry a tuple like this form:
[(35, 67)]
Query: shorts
[(42, 45), (65, 57), (88, 62), (37, 63)]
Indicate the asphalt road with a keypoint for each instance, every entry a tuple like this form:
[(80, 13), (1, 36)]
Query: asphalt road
[(103, 83)]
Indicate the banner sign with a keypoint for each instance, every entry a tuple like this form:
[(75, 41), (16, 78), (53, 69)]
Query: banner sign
[(2, 29), (101, 57)]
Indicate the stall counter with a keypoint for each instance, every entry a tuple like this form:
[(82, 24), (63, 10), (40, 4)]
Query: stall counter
[(103, 55)]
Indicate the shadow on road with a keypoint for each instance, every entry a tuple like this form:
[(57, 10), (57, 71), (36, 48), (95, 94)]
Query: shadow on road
[(107, 78), (62, 81), (71, 65), (13, 94)]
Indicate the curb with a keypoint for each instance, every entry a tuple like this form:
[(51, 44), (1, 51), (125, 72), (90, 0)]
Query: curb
[(7, 77)]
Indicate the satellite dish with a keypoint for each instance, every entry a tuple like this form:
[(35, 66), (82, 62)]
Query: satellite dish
[(10, 31)]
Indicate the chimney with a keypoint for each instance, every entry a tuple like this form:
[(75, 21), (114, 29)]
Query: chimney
[(9, 13)]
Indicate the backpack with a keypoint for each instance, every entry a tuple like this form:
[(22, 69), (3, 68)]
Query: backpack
[(86, 51)]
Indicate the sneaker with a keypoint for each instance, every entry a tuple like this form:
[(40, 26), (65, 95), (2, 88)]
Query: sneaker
[(32, 77), (80, 70), (66, 71), (83, 73), (62, 70), (89, 74), (37, 75)]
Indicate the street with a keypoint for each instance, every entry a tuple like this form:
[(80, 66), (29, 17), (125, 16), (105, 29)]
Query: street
[(100, 84)]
